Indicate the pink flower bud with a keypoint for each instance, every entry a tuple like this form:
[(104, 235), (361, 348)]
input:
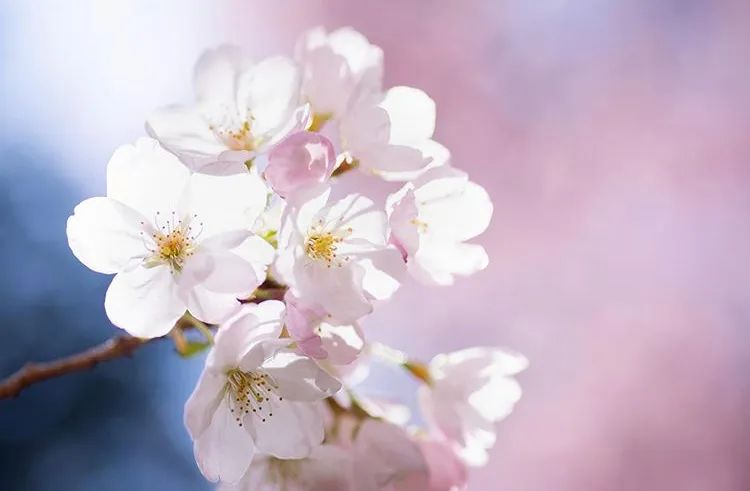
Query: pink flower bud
[(300, 161)]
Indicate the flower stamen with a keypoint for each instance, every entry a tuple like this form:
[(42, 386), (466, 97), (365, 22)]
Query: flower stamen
[(250, 392)]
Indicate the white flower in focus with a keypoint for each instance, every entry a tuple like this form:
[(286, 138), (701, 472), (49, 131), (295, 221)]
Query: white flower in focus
[(175, 241), (336, 68), (431, 218), (328, 468), (255, 395), (386, 458), (336, 256), (469, 391), (241, 109)]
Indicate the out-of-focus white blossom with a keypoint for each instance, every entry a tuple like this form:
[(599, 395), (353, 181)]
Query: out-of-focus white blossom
[(469, 391), (175, 241), (431, 218), (255, 395)]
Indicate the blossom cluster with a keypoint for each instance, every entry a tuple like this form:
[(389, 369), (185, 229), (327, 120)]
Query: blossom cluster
[(226, 218)]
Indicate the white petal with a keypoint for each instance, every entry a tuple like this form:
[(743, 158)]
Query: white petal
[(258, 252), (364, 59), (411, 113), (299, 378), (402, 218), (342, 342), (146, 178), (305, 208), (337, 289), (216, 72), (496, 399), (185, 132), (478, 361), (144, 301), (270, 92), (293, 431), (105, 235), (327, 81), (224, 203), (210, 306), (253, 324), (358, 213), (453, 207), (203, 402), (436, 262), (224, 450), (384, 270), (220, 271), (434, 152)]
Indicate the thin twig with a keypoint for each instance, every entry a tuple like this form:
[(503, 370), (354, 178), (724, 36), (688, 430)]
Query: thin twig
[(32, 373)]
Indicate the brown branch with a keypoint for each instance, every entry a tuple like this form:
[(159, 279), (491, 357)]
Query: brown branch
[(117, 347), (32, 372)]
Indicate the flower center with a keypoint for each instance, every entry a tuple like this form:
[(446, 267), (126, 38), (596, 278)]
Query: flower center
[(322, 244), (236, 137), (251, 392), (421, 226), (231, 128), (174, 243)]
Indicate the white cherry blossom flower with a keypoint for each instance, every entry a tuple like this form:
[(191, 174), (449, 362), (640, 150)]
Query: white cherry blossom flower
[(385, 133), (255, 395), (336, 68), (328, 468), (336, 256), (469, 391), (175, 241), (431, 218), (241, 109)]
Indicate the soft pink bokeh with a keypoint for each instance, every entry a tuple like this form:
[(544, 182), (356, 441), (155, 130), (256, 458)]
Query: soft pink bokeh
[(613, 139)]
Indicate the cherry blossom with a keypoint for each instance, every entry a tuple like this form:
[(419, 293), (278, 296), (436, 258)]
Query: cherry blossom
[(336, 255), (255, 395), (241, 110), (469, 391), (431, 218), (175, 241), (328, 468), (337, 67), (242, 179), (390, 133)]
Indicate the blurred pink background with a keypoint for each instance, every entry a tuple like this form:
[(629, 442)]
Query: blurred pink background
[(613, 139)]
